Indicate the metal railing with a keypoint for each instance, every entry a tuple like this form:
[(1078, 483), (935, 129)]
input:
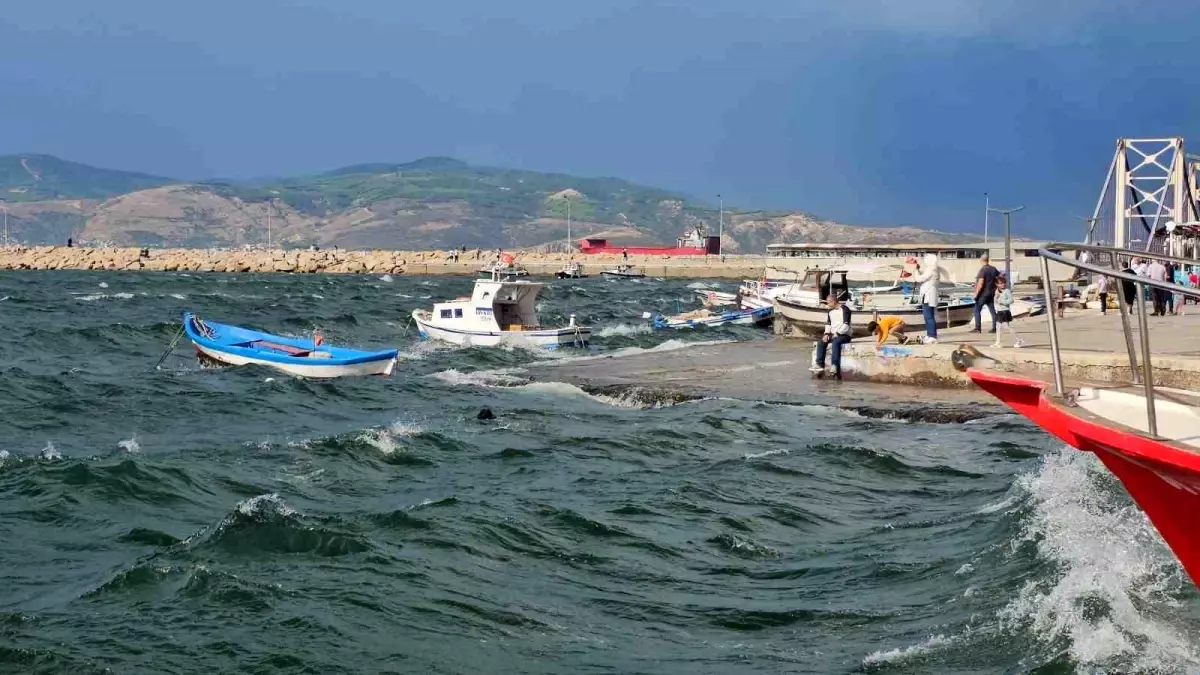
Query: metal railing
[(1117, 258)]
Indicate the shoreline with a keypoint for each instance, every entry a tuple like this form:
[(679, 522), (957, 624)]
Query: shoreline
[(413, 263)]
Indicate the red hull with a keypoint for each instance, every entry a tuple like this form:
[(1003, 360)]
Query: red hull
[(1162, 478), (643, 250)]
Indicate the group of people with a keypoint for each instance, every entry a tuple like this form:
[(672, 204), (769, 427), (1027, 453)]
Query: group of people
[(991, 292)]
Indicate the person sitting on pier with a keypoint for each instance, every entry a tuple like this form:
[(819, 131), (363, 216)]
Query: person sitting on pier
[(887, 326), (837, 334)]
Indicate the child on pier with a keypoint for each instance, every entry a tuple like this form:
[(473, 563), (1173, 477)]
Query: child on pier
[(1004, 301), (887, 326)]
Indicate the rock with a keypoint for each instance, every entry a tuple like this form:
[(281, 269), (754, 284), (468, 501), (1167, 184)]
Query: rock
[(486, 414)]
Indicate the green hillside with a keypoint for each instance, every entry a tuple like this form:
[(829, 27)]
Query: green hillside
[(26, 178), (504, 196)]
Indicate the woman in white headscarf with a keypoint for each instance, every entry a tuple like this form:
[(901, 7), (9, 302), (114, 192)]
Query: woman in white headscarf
[(927, 275)]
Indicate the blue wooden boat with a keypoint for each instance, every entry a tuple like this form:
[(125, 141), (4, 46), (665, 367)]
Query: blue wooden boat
[(297, 356), (705, 317)]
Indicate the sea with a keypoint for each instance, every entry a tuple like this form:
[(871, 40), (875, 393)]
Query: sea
[(189, 519)]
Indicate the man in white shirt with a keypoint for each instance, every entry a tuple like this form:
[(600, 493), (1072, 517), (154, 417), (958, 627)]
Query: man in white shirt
[(837, 334), (1157, 271)]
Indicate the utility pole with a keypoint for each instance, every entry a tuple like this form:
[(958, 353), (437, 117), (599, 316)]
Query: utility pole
[(1008, 240), (721, 227), (986, 212), (568, 198)]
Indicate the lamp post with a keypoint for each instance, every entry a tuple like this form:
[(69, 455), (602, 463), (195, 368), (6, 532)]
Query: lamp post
[(568, 198), (987, 208), (1008, 239), (721, 227)]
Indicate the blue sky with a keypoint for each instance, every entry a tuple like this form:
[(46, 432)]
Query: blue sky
[(864, 111)]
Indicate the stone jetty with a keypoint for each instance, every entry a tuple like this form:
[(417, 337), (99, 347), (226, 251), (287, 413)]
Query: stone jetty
[(304, 261)]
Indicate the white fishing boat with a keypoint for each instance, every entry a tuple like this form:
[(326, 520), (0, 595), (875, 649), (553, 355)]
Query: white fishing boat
[(623, 272), (802, 307), (571, 270), (498, 312), (506, 266)]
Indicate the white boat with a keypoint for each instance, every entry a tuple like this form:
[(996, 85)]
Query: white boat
[(505, 267), (624, 272), (499, 312), (802, 307), (571, 270)]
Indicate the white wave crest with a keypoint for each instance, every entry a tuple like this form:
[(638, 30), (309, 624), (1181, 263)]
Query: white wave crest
[(387, 279), (103, 284), (766, 453), (130, 445), (50, 452), (179, 296), (625, 329), (1109, 556), (264, 505), (480, 378), (901, 654)]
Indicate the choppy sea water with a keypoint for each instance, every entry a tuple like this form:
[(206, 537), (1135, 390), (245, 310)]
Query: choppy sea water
[(192, 520)]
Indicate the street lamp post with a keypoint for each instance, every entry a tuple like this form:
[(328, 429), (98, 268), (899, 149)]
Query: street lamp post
[(721, 226), (1008, 239), (987, 208)]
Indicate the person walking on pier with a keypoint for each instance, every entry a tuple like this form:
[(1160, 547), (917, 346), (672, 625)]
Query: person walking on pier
[(1102, 286), (1004, 301), (837, 334), (985, 293), (1157, 271)]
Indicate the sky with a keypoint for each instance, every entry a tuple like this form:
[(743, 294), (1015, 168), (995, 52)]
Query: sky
[(873, 112)]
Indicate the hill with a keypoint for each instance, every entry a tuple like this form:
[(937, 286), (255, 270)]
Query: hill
[(36, 177), (434, 202)]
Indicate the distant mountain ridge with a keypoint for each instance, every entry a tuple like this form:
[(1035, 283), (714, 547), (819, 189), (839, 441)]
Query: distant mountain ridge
[(432, 202)]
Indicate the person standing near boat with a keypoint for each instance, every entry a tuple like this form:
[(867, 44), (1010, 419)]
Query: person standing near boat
[(927, 276), (985, 293), (837, 334)]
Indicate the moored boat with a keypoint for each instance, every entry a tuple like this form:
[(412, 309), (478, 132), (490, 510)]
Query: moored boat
[(571, 270), (707, 317), (623, 272), (802, 307), (506, 266), (304, 357), (498, 312)]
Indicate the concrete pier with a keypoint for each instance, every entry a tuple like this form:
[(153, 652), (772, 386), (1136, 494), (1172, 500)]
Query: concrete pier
[(1093, 350)]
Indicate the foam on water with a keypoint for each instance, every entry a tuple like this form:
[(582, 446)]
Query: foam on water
[(480, 378), (625, 329), (130, 445), (902, 654), (387, 279), (50, 452), (1116, 578), (264, 506)]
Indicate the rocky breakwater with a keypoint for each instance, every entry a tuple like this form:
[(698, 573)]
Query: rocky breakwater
[(304, 261)]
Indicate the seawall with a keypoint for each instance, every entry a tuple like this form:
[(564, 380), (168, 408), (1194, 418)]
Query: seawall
[(358, 262)]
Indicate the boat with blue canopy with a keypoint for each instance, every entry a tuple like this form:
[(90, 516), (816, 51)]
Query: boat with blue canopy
[(304, 357)]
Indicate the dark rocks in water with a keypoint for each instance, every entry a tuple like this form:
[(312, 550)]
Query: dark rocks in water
[(929, 415), (486, 414), (640, 397)]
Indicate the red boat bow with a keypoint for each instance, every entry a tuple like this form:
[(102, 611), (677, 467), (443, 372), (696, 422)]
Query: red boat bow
[(1161, 476)]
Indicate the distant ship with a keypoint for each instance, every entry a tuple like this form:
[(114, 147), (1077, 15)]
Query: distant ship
[(693, 242)]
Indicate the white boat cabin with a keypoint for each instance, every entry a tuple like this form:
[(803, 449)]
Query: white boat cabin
[(493, 306)]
